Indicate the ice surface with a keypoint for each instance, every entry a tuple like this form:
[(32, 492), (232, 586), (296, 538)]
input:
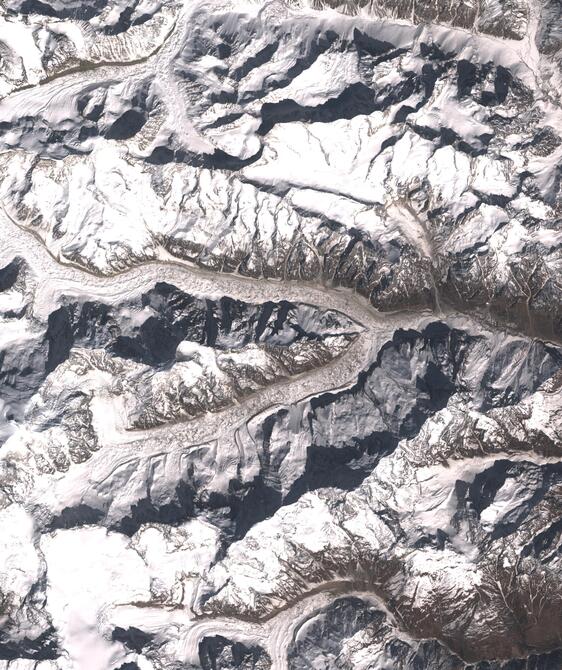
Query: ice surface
[(280, 327)]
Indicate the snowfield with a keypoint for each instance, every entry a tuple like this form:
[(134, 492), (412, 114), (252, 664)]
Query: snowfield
[(280, 335)]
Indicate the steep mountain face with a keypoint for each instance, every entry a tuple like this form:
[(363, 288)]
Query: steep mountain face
[(434, 160), (280, 335)]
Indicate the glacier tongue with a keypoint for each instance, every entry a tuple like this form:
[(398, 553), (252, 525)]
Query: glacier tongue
[(280, 335)]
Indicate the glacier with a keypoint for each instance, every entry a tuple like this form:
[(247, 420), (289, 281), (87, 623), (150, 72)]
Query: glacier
[(280, 335)]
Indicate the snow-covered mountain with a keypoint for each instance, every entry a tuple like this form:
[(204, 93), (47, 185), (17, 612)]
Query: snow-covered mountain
[(280, 335)]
